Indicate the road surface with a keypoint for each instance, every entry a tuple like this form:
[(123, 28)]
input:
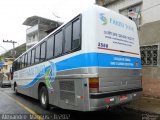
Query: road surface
[(23, 107)]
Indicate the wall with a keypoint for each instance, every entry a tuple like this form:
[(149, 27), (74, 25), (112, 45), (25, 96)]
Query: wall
[(42, 34), (122, 4), (6, 69), (151, 81), (150, 11), (149, 33)]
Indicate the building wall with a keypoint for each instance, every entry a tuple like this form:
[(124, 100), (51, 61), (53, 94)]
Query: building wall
[(122, 4), (149, 33), (32, 38), (5, 71), (42, 34), (150, 11)]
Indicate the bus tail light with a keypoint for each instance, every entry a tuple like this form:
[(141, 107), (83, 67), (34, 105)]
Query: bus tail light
[(93, 85)]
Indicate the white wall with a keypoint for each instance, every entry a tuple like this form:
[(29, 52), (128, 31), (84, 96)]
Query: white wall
[(122, 4), (150, 12)]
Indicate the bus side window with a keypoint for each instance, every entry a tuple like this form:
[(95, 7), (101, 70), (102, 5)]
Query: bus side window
[(29, 58), (43, 52), (50, 46), (76, 34), (37, 56), (32, 56), (14, 66), (19, 63), (26, 59), (68, 38), (23, 61), (58, 43)]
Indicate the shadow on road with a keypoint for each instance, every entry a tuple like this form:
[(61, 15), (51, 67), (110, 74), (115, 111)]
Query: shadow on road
[(114, 114)]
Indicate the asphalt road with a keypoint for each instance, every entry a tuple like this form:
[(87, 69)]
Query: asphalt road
[(23, 107)]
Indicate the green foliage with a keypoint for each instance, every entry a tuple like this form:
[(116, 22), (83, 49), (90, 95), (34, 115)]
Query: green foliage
[(19, 50), (1, 57)]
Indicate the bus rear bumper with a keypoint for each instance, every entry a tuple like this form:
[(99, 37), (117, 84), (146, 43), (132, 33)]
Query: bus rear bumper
[(104, 101)]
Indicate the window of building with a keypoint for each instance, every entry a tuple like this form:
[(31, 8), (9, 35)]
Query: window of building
[(133, 13), (68, 38), (58, 43), (43, 51), (37, 56), (76, 34)]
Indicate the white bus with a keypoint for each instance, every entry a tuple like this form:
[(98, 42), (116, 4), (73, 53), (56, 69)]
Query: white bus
[(92, 62)]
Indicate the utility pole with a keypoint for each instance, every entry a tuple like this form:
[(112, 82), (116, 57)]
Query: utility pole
[(13, 42)]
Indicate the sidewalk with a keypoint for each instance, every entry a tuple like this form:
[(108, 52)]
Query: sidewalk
[(146, 104)]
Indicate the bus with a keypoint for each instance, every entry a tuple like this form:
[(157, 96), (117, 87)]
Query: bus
[(90, 63)]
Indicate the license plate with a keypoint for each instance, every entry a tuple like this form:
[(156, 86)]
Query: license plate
[(123, 98)]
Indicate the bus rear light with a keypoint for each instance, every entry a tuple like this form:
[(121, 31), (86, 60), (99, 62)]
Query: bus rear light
[(80, 97), (108, 100), (93, 85)]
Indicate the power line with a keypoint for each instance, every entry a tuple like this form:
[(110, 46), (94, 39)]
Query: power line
[(13, 42)]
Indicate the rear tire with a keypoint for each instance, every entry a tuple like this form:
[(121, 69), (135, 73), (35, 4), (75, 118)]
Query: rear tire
[(44, 99)]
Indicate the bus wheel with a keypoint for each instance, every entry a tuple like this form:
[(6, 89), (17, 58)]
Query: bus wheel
[(44, 99)]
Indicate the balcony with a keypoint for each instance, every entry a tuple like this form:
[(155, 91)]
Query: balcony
[(109, 1), (32, 29), (105, 2)]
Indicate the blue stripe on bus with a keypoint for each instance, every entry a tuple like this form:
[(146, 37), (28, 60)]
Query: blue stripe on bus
[(82, 60), (98, 60), (92, 60)]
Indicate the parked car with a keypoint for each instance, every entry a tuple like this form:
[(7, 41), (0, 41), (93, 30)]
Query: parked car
[(4, 83)]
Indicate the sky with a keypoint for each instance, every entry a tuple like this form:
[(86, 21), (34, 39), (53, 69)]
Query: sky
[(14, 12)]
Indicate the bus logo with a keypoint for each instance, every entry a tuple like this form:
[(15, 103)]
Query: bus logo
[(50, 75), (103, 19)]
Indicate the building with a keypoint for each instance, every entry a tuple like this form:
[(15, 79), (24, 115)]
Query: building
[(38, 28), (145, 14), (5, 70)]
